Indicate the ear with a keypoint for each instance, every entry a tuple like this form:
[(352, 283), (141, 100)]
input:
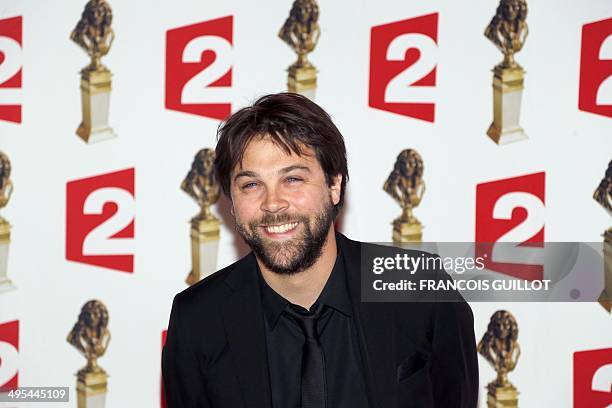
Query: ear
[(231, 201), (336, 188)]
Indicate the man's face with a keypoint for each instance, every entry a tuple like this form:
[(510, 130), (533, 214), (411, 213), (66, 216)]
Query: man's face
[(304, 14), (511, 10), (282, 205), (94, 318), (505, 327), (209, 160), (96, 16), (205, 163), (407, 168)]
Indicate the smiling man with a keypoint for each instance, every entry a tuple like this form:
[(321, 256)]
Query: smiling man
[(284, 326)]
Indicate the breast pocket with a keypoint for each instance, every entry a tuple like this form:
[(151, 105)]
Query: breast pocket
[(414, 384), (411, 365)]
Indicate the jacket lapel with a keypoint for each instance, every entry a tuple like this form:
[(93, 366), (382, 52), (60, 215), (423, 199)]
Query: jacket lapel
[(243, 321), (376, 328)]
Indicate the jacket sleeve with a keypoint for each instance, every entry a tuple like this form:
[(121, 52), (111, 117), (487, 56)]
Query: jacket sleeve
[(454, 365), (183, 382)]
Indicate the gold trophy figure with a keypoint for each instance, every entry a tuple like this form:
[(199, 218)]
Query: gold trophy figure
[(90, 336), (508, 31), (93, 33), (406, 185), (499, 346), (603, 195), (6, 189), (301, 32), (201, 184)]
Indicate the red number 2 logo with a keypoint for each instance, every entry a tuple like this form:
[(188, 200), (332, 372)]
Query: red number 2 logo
[(403, 60), (95, 233), (10, 69), (199, 68), (511, 211), (596, 68), (9, 355)]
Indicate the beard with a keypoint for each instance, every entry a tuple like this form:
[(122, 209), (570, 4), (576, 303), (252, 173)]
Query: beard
[(292, 255)]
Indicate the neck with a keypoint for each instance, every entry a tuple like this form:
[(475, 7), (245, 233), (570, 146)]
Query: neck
[(303, 288)]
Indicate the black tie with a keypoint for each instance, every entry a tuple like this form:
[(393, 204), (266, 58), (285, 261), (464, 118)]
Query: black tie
[(313, 360)]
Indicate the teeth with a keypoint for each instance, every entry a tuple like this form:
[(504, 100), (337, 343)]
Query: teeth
[(279, 229)]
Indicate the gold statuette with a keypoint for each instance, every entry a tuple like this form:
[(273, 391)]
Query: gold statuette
[(405, 184), (508, 31), (603, 195), (95, 36), (6, 189), (499, 346), (90, 336), (201, 184), (301, 32)]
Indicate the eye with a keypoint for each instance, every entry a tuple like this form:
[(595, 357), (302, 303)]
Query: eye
[(293, 180), (249, 185)]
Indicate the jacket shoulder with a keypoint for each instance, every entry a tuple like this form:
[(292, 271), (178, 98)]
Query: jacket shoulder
[(207, 293), (355, 247)]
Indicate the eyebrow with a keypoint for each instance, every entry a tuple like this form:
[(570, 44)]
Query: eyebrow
[(284, 170), (245, 173)]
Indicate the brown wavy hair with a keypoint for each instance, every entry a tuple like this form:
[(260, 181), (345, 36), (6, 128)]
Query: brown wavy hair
[(293, 122)]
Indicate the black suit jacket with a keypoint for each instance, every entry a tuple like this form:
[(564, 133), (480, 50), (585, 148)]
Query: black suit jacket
[(415, 354)]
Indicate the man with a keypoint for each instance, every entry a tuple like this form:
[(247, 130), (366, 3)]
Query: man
[(284, 326)]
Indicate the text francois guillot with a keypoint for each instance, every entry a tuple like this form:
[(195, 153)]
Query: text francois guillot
[(458, 265)]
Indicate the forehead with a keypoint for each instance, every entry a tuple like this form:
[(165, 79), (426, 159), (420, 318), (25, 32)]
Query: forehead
[(262, 154)]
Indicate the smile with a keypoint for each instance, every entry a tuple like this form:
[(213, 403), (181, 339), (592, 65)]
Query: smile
[(279, 229)]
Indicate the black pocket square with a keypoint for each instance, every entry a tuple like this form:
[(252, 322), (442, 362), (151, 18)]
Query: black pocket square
[(410, 366)]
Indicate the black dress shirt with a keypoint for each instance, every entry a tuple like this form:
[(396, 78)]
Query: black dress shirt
[(338, 338)]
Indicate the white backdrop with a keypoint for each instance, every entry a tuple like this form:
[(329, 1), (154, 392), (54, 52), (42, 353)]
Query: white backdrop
[(571, 146)]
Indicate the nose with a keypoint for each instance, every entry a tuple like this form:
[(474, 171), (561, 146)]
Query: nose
[(274, 202)]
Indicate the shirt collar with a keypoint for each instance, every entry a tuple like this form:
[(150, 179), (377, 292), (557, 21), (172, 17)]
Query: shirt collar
[(273, 303), (335, 293)]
